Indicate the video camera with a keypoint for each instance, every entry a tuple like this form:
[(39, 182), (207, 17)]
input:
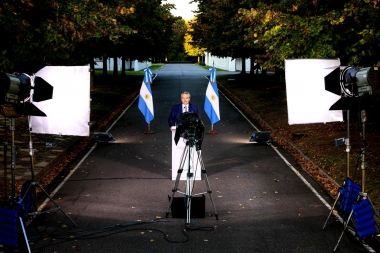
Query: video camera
[(191, 128)]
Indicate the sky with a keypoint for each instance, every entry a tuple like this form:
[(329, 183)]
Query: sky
[(183, 8)]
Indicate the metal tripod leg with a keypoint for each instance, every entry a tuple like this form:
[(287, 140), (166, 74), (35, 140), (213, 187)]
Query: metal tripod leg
[(189, 195), (179, 172), (51, 199), (207, 183), (341, 235), (35, 183), (331, 210), (189, 185), (24, 233)]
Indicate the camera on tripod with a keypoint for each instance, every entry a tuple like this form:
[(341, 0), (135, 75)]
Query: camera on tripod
[(190, 128)]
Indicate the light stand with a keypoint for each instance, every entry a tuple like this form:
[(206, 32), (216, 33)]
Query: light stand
[(348, 147), (343, 189), (13, 156), (5, 158), (188, 154), (7, 111), (17, 94), (364, 120), (355, 204), (8, 215), (33, 183)]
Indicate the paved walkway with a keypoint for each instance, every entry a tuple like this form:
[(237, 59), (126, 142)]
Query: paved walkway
[(45, 154), (117, 193)]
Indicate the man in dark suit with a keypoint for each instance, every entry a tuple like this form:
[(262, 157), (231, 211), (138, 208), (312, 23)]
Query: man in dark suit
[(178, 109)]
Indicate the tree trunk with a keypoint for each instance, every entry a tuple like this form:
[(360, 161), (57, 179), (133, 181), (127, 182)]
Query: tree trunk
[(115, 67), (92, 72), (104, 65), (243, 66), (130, 64), (280, 75), (252, 68), (123, 66)]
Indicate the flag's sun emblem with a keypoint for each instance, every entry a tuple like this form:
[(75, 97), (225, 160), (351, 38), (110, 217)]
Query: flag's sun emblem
[(147, 96), (213, 97)]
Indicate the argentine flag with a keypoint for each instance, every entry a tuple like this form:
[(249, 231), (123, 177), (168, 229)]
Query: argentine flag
[(146, 100), (211, 106)]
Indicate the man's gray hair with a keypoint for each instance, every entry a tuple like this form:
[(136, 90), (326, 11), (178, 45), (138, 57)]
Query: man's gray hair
[(186, 93)]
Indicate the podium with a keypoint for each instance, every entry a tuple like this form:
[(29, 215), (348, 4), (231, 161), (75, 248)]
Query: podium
[(177, 152)]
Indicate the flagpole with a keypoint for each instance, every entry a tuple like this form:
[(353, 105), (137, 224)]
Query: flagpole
[(145, 100), (148, 131), (212, 131)]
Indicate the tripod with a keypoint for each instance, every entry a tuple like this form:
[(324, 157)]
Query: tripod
[(5, 158), (188, 153), (355, 204), (31, 188)]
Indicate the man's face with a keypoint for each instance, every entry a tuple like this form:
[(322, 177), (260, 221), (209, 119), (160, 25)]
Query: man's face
[(185, 98)]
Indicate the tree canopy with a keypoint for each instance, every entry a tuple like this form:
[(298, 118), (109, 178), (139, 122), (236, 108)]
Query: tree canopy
[(276, 30), (190, 47), (176, 47), (74, 31)]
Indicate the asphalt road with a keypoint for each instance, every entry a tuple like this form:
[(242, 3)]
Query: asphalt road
[(118, 192)]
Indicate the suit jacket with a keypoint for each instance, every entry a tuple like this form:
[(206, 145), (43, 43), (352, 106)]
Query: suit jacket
[(177, 111)]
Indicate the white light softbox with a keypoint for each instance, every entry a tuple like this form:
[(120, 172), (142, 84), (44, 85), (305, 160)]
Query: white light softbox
[(68, 112), (308, 100)]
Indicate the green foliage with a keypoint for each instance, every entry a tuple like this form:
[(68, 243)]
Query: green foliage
[(315, 29), (36, 33), (273, 31), (152, 23), (50, 32), (190, 47), (176, 46), (217, 28)]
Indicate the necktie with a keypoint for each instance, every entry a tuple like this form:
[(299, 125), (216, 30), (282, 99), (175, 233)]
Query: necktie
[(184, 109)]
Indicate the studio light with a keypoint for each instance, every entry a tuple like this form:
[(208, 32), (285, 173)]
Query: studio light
[(353, 81), (360, 81), (18, 91), (353, 84)]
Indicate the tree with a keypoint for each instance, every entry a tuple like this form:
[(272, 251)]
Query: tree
[(151, 23), (219, 29), (286, 29), (176, 46), (51, 32), (191, 48)]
